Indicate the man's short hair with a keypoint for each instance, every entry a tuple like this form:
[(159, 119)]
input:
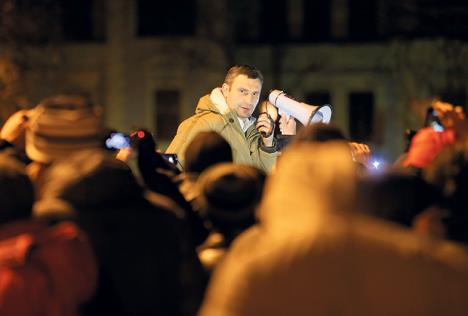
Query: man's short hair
[(250, 71)]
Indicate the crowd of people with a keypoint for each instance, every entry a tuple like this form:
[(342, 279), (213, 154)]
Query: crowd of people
[(254, 220)]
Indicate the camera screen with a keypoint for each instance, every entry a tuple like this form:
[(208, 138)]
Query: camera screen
[(437, 126), (117, 141), (172, 158), (433, 121)]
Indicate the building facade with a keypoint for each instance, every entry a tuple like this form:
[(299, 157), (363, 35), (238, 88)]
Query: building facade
[(377, 62)]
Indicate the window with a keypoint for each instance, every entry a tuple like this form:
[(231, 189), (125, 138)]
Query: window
[(30, 22), (361, 116), (273, 20), (166, 18), (246, 20), (317, 20), (77, 17), (317, 98), (363, 19), (428, 18), (167, 113)]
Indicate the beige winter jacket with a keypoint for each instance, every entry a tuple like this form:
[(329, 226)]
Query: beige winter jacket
[(247, 147)]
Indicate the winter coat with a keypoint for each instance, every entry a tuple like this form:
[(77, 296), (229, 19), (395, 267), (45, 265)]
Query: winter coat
[(312, 255), (44, 270), (426, 145), (247, 148), (147, 263)]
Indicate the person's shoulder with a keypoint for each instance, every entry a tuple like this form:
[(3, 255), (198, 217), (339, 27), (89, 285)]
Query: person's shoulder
[(164, 205), (202, 121), (408, 246), (211, 119), (205, 104)]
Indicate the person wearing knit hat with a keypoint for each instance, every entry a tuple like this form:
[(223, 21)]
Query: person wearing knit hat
[(205, 150), (228, 196), (60, 125), (229, 192)]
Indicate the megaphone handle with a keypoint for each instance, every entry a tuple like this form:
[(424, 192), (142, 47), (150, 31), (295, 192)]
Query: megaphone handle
[(264, 134)]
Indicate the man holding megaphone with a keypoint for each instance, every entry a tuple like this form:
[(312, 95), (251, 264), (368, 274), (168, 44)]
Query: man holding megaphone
[(228, 110), (290, 110)]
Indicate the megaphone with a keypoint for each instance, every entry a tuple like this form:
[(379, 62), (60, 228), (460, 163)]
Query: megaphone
[(304, 113)]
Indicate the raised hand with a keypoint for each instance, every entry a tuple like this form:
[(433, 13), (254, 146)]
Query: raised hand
[(361, 153), (14, 128), (452, 116), (287, 126)]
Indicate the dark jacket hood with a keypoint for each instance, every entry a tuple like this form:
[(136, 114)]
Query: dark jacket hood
[(90, 179)]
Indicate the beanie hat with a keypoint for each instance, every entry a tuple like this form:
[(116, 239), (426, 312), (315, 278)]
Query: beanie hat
[(16, 190), (205, 150), (61, 125), (229, 192)]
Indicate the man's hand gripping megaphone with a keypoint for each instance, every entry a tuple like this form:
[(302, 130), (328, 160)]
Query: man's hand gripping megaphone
[(266, 122), (268, 116)]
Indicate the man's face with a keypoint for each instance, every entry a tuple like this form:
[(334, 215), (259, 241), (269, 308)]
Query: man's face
[(242, 95)]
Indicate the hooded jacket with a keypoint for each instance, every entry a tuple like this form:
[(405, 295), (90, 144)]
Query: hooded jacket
[(147, 264), (247, 148), (312, 255), (44, 270)]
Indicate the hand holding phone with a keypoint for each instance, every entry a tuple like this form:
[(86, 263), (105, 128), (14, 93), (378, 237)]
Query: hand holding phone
[(171, 158), (14, 128), (446, 114), (434, 121)]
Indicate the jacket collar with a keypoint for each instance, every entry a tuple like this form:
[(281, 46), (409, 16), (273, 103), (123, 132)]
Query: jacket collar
[(215, 102), (217, 97), (219, 101)]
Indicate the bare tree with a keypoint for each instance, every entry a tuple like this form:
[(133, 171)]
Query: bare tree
[(425, 68), (24, 26)]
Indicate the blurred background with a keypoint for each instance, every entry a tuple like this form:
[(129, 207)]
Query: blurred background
[(378, 62)]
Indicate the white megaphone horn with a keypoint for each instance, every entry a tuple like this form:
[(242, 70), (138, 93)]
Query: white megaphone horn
[(305, 113)]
